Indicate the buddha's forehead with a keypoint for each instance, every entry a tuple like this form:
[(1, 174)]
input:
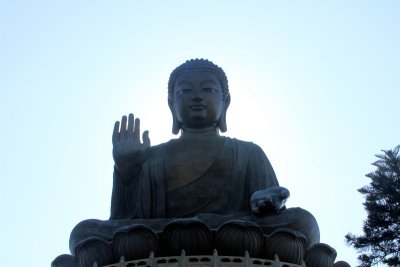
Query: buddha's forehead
[(197, 77)]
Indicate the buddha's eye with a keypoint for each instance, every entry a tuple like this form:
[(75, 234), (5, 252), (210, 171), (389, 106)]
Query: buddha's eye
[(184, 91), (209, 90)]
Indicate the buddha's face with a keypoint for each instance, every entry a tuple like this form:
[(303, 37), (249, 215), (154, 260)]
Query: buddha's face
[(198, 100)]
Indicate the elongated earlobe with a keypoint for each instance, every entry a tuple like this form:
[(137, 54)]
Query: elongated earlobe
[(222, 120), (222, 123), (175, 124)]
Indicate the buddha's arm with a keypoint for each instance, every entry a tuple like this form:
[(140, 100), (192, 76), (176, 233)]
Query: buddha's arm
[(130, 167), (267, 196), (121, 203), (125, 193)]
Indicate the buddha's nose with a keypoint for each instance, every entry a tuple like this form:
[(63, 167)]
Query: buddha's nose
[(197, 96)]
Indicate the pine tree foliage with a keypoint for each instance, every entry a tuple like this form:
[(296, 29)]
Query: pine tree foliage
[(381, 240)]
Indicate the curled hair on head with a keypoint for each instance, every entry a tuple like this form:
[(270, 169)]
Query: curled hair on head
[(198, 65)]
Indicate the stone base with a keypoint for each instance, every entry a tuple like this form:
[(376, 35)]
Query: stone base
[(203, 261), (242, 241)]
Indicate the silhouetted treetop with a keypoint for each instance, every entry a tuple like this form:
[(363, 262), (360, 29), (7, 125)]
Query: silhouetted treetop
[(381, 240)]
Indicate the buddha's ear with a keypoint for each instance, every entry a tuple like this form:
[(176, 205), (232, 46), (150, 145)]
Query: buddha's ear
[(175, 124), (222, 120)]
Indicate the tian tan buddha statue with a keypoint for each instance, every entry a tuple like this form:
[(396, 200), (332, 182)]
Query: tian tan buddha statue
[(199, 192)]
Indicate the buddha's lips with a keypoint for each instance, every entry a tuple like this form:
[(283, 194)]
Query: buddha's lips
[(197, 107)]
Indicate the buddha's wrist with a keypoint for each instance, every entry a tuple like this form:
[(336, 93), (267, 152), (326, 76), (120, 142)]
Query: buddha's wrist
[(126, 174)]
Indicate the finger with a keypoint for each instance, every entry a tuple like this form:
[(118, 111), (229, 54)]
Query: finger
[(115, 135), (254, 208), (146, 139), (261, 203), (129, 133), (123, 127), (285, 193), (267, 199), (136, 132)]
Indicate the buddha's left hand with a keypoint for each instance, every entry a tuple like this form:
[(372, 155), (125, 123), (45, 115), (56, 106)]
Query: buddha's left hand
[(269, 201)]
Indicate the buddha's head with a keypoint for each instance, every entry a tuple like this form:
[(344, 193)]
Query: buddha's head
[(198, 96)]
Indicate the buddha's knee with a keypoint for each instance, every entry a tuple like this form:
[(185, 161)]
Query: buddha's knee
[(303, 221), (296, 219), (83, 230)]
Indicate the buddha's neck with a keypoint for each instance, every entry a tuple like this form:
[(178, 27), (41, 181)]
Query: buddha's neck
[(191, 133)]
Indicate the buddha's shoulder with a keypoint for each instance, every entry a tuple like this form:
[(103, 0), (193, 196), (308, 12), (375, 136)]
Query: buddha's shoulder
[(243, 144)]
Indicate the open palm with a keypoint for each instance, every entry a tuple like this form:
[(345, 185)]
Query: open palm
[(128, 150)]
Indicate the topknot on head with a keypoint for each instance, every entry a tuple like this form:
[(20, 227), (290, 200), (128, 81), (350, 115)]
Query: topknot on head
[(198, 65)]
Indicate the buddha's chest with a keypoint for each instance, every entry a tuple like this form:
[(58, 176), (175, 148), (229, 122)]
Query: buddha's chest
[(198, 178), (186, 161)]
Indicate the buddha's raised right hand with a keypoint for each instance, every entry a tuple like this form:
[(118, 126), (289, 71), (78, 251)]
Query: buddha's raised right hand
[(128, 152)]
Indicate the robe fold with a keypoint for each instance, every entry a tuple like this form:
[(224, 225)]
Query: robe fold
[(146, 197)]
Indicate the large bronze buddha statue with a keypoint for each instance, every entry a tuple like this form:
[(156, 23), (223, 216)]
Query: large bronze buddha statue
[(200, 176)]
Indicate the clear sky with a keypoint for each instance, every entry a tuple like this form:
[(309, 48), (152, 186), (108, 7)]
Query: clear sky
[(314, 83)]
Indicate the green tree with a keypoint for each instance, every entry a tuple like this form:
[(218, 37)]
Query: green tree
[(381, 240)]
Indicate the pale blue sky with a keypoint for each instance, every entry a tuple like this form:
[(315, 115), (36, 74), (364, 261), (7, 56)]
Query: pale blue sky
[(314, 83)]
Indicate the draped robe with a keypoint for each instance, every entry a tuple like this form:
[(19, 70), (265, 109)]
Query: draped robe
[(242, 168), (217, 192)]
